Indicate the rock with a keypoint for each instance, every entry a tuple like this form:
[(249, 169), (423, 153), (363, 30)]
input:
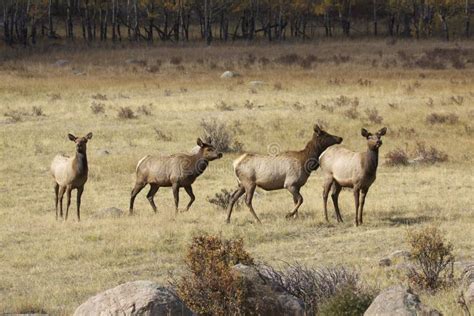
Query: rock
[(268, 299), (61, 62), (229, 74), (400, 254), (109, 212), (469, 294), (385, 262), (399, 301), (256, 83), (134, 298)]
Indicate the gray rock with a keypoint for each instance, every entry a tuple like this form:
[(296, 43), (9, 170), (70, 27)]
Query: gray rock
[(109, 212), (61, 62), (469, 294), (267, 299), (143, 298), (385, 262), (399, 301), (229, 74)]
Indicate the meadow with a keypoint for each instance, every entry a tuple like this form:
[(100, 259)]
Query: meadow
[(53, 266)]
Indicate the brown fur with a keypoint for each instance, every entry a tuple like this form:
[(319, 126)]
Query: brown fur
[(343, 168), (289, 170), (176, 171), (70, 173)]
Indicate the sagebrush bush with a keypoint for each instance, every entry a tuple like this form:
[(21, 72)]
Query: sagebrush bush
[(347, 302), (429, 155), (145, 109), (373, 116), (397, 157), (217, 134), (433, 258), (37, 111), (440, 118), (210, 287), (222, 199), (126, 113), (97, 108)]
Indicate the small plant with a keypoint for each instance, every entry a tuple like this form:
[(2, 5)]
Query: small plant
[(249, 105), (277, 86), (55, 97), (430, 102), (433, 257), (222, 199), (347, 301), (37, 111), (145, 109), (297, 106), (15, 116), (176, 60), (167, 93), (222, 106), (351, 113), (160, 135), (440, 118), (364, 82), (429, 155), (288, 59), (209, 286), (458, 100), (217, 134), (125, 112), (97, 108), (264, 61), (100, 97), (374, 116), (397, 157)]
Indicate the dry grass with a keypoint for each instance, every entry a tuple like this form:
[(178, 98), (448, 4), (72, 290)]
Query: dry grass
[(55, 266)]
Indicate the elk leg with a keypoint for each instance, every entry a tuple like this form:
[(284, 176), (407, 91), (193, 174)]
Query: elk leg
[(189, 191), (250, 190), (68, 200), (61, 195), (362, 202), (356, 200), (299, 200), (56, 191), (176, 196), (78, 202), (336, 189), (151, 194), (138, 187), (234, 198), (326, 189)]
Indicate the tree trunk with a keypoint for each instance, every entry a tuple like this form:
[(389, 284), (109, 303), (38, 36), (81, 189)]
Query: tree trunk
[(114, 25), (467, 24), (70, 32), (375, 18), (50, 19)]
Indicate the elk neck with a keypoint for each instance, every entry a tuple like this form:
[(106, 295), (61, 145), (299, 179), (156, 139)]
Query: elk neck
[(371, 161), (199, 163), (81, 162)]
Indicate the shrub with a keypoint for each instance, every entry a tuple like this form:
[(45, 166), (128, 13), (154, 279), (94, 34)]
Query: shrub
[(289, 59), (277, 86), (176, 60), (433, 257), (429, 155), (100, 97), (347, 302), (217, 134), (312, 286), (397, 157), (209, 286), (125, 112), (222, 106), (222, 199), (439, 118), (37, 111), (145, 109), (351, 113), (15, 116), (160, 135), (374, 116), (97, 108)]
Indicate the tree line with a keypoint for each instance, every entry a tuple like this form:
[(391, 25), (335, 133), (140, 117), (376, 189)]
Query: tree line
[(27, 21)]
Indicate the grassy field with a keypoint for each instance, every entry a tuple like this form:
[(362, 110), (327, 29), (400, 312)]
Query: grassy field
[(54, 266)]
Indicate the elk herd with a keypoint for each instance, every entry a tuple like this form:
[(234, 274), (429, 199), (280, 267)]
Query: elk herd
[(290, 170)]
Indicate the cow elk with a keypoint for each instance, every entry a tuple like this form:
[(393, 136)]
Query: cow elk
[(289, 170), (176, 171), (70, 173), (343, 168)]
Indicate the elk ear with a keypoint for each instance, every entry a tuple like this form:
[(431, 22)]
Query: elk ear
[(200, 143), (72, 137), (382, 131), (364, 132), (317, 129), (89, 136)]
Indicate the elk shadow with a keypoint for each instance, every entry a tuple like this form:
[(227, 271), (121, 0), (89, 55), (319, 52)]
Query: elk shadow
[(396, 218)]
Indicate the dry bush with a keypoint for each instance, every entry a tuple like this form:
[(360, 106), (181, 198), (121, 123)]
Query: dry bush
[(161, 136), (297, 106), (429, 155), (440, 118), (364, 82), (433, 258), (458, 100), (100, 97), (217, 134), (97, 108), (336, 81), (167, 93), (126, 112), (397, 157), (307, 62), (373, 116), (277, 86), (37, 111), (340, 59), (153, 69), (343, 100), (351, 113), (288, 59), (348, 301), (222, 199), (145, 109), (55, 97), (15, 116), (222, 106), (209, 286), (264, 61), (312, 286), (324, 107), (249, 105), (176, 60), (430, 102)]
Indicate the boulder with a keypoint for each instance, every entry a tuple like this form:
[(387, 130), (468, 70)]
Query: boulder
[(109, 212), (269, 299), (134, 298), (399, 301), (229, 74)]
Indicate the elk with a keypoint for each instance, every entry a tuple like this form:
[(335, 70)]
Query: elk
[(70, 173), (176, 171), (343, 168), (289, 170)]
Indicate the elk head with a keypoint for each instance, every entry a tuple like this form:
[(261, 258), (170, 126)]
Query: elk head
[(81, 142), (324, 138), (209, 152), (374, 141)]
